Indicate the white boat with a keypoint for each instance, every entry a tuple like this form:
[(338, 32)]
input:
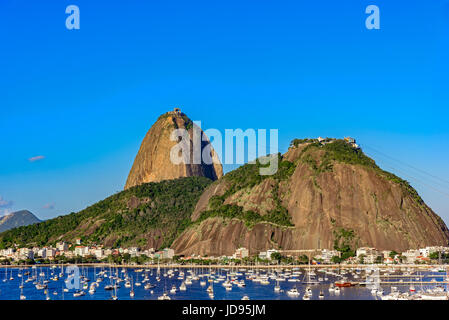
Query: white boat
[(148, 286), (293, 292), (78, 293), (245, 297), (182, 287), (277, 288), (164, 297), (434, 296)]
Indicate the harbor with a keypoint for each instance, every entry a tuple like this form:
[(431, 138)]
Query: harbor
[(196, 282)]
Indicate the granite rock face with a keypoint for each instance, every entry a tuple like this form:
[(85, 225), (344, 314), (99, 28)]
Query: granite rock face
[(153, 162), (383, 211)]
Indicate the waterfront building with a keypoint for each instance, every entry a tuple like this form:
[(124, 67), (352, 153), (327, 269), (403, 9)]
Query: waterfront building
[(326, 255), (50, 253), (81, 251), (99, 253), (42, 253), (411, 255), (241, 253), (62, 246), (168, 253)]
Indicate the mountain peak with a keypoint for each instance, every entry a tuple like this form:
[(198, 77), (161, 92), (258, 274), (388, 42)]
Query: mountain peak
[(153, 163), (17, 219)]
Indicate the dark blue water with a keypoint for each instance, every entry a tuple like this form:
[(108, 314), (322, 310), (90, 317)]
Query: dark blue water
[(9, 289)]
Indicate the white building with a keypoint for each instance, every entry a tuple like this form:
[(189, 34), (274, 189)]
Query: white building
[(133, 251), (81, 251), (42, 253), (62, 246), (25, 253), (168, 253), (411, 255), (326, 255), (99, 253), (267, 254), (370, 255), (241, 253), (50, 253)]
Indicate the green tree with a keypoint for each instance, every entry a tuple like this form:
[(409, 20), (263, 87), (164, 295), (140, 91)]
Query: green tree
[(276, 256), (393, 254)]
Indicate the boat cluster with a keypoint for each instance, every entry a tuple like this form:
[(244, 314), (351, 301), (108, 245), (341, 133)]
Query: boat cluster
[(111, 278)]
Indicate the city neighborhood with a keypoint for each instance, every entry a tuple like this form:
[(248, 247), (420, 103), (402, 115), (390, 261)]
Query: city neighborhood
[(65, 252)]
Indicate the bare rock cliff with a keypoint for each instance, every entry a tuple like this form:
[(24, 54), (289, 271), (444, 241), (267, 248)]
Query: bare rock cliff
[(153, 164)]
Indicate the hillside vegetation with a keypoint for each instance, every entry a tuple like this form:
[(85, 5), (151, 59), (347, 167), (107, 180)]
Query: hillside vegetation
[(148, 214), (341, 151), (246, 177)]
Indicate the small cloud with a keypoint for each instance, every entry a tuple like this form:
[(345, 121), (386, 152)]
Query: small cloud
[(5, 203), (36, 158), (5, 206), (49, 206)]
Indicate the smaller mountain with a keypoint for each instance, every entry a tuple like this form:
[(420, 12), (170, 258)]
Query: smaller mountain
[(150, 215), (17, 219)]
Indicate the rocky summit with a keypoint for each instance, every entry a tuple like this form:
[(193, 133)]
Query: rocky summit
[(326, 194), (153, 163)]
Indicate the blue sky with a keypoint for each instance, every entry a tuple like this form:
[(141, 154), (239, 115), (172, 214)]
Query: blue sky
[(84, 99)]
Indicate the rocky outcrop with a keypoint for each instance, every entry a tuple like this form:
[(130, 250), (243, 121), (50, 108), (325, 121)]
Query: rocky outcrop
[(153, 163), (325, 193), (218, 236)]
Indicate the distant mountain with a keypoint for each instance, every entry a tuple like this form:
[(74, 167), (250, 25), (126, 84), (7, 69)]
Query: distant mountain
[(17, 219)]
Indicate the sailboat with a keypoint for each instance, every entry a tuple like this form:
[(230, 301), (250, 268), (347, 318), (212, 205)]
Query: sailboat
[(277, 288), (114, 295), (131, 294), (293, 292), (47, 297), (183, 287), (158, 272), (210, 290), (164, 295), (311, 276), (22, 296)]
